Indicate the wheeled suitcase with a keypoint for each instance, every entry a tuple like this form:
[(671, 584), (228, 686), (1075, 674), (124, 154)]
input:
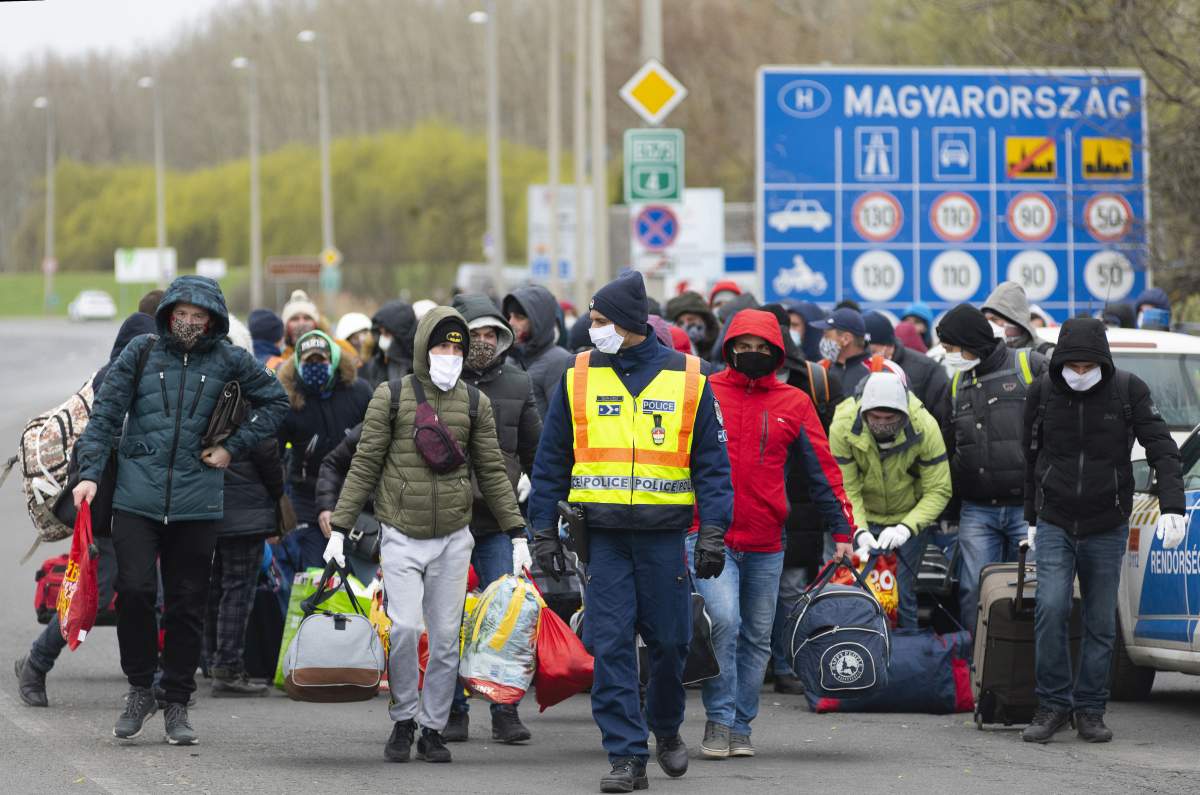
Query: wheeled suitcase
[(1002, 676)]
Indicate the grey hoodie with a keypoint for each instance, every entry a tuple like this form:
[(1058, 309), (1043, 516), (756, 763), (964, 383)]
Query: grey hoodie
[(1009, 300), (540, 355)]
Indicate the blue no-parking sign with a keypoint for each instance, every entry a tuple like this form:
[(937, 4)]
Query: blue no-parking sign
[(891, 186)]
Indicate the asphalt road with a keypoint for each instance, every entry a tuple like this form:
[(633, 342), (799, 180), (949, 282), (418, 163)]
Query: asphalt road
[(274, 745)]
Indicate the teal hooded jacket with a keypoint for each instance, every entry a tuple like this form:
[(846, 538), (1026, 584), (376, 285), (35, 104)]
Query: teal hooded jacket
[(159, 472)]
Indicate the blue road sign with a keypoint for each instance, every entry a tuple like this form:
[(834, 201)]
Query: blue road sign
[(891, 186), (656, 227)]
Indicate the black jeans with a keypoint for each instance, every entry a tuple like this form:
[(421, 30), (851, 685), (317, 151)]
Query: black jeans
[(184, 550)]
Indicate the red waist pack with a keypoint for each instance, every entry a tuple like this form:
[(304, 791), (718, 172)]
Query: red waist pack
[(79, 597)]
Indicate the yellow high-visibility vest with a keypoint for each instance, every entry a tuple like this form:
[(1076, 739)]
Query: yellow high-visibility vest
[(632, 452)]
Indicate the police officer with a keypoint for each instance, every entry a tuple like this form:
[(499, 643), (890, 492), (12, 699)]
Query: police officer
[(634, 437)]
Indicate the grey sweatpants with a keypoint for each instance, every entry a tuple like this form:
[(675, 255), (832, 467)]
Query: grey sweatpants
[(424, 578)]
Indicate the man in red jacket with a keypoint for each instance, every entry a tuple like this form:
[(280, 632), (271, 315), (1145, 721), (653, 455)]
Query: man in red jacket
[(767, 422)]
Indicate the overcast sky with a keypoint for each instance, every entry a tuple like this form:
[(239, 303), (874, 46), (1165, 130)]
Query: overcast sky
[(30, 27)]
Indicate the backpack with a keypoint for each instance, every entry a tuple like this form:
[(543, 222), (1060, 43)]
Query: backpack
[(45, 455)]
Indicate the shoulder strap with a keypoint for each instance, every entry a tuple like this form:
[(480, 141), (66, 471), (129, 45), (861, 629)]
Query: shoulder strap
[(472, 402), (396, 387), (418, 390), (1023, 366), (954, 385), (815, 375), (143, 357), (1122, 379), (1040, 417)]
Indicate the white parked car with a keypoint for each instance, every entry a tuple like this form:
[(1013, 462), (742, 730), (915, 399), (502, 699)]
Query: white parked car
[(92, 305), (800, 214)]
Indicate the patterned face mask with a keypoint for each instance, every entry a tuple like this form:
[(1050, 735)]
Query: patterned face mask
[(480, 354), (187, 333), (315, 375)]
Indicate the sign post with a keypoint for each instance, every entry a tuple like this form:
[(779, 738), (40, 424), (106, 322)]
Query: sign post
[(890, 186)]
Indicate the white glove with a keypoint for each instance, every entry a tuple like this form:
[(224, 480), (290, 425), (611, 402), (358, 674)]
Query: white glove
[(1031, 535), (333, 549), (865, 544), (894, 537), (523, 488), (522, 560), (1172, 529)]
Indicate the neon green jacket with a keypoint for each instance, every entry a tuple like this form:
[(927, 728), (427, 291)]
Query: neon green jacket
[(907, 484)]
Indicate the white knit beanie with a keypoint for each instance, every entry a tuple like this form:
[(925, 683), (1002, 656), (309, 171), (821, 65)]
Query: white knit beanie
[(299, 304)]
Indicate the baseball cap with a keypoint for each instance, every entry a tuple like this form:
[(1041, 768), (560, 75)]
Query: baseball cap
[(844, 319), (879, 328)]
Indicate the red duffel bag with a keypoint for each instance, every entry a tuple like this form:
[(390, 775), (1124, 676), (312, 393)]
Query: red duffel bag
[(79, 597), (564, 667)]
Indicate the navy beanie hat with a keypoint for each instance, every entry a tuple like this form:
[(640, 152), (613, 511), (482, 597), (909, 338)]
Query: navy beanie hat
[(265, 325), (623, 301)]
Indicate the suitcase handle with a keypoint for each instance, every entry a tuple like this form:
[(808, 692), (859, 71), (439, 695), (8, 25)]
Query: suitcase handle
[(1019, 603)]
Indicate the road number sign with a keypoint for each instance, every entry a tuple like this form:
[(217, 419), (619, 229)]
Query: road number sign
[(653, 166), (954, 217), (877, 216), (1108, 217), (877, 275), (1031, 217), (955, 275), (1108, 275), (1036, 272)]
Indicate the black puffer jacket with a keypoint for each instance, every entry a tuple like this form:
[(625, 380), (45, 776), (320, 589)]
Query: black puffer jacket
[(398, 318), (518, 424), (539, 355), (332, 473), (983, 440), (1077, 472), (253, 486)]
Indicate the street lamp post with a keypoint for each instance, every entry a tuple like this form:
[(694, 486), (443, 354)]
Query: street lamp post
[(48, 263), (310, 37), (553, 144), (495, 199), (599, 145), (256, 285), (160, 210), (583, 277)]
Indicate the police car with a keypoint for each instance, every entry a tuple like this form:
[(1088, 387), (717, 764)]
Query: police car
[(1158, 606)]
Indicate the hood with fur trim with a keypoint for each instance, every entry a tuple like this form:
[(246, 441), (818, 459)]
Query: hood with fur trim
[(347, 373)]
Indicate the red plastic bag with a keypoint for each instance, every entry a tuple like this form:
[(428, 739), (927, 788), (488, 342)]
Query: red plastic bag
[(564, 667), (79, 598)]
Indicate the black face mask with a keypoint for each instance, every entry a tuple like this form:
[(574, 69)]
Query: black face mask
[(754, 364)]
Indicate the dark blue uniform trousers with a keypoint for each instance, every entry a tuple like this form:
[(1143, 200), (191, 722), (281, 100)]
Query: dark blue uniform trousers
[(637, 583)]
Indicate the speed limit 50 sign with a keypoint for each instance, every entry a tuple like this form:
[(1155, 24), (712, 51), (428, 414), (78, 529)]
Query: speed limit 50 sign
[(935, 185)]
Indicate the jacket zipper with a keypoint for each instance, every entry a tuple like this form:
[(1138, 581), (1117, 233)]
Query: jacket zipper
[(196, 400), (437, 410), (762, 439), (162, 384), (1079, 479), (175, 441)]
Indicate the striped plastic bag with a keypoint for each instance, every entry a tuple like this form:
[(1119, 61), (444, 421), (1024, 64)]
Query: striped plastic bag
[(500, 647)]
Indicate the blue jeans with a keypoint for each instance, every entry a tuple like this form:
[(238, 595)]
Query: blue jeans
[(791, 586), (492, 559), (1097, 561), (741, 604), (49, 644), (637, 584), (986, 534)]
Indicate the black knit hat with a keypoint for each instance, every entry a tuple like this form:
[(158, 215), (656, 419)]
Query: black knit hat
[(623, 301), (966, 327), (449, 329)]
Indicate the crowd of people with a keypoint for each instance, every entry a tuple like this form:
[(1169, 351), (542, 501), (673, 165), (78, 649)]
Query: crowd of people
[(714, 443)]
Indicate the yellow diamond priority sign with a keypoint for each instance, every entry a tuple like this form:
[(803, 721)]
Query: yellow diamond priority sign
[(331, 257), (653, 92)]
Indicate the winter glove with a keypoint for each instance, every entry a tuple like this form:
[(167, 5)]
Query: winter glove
[(522, 560), (1031, 535), (1172, 529), (893, 537), (524, 487), (865, 544), (333, 549), (548, 552), (710, 552)]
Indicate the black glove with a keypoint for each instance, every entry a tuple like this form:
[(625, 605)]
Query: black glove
[(710, 552), (548, 552)]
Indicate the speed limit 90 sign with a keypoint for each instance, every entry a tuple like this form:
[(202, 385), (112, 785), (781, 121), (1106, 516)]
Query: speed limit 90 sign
[(1031, 216)]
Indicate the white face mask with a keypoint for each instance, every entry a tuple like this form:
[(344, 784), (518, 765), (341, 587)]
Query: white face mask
[(999, 330), (797, 338), (385, 342), (959, 362), (444, 370), (1082, 383), (606, 339)]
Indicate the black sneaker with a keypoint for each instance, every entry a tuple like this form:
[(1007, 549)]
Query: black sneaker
[(431, 747), (628, 774), (31, 683), (788, 685), (179, 731), (458, 727), (672, 755), (399, 745), (1045, 724), (227, 684), (1091, 727), (507, 726), (139, 705)]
